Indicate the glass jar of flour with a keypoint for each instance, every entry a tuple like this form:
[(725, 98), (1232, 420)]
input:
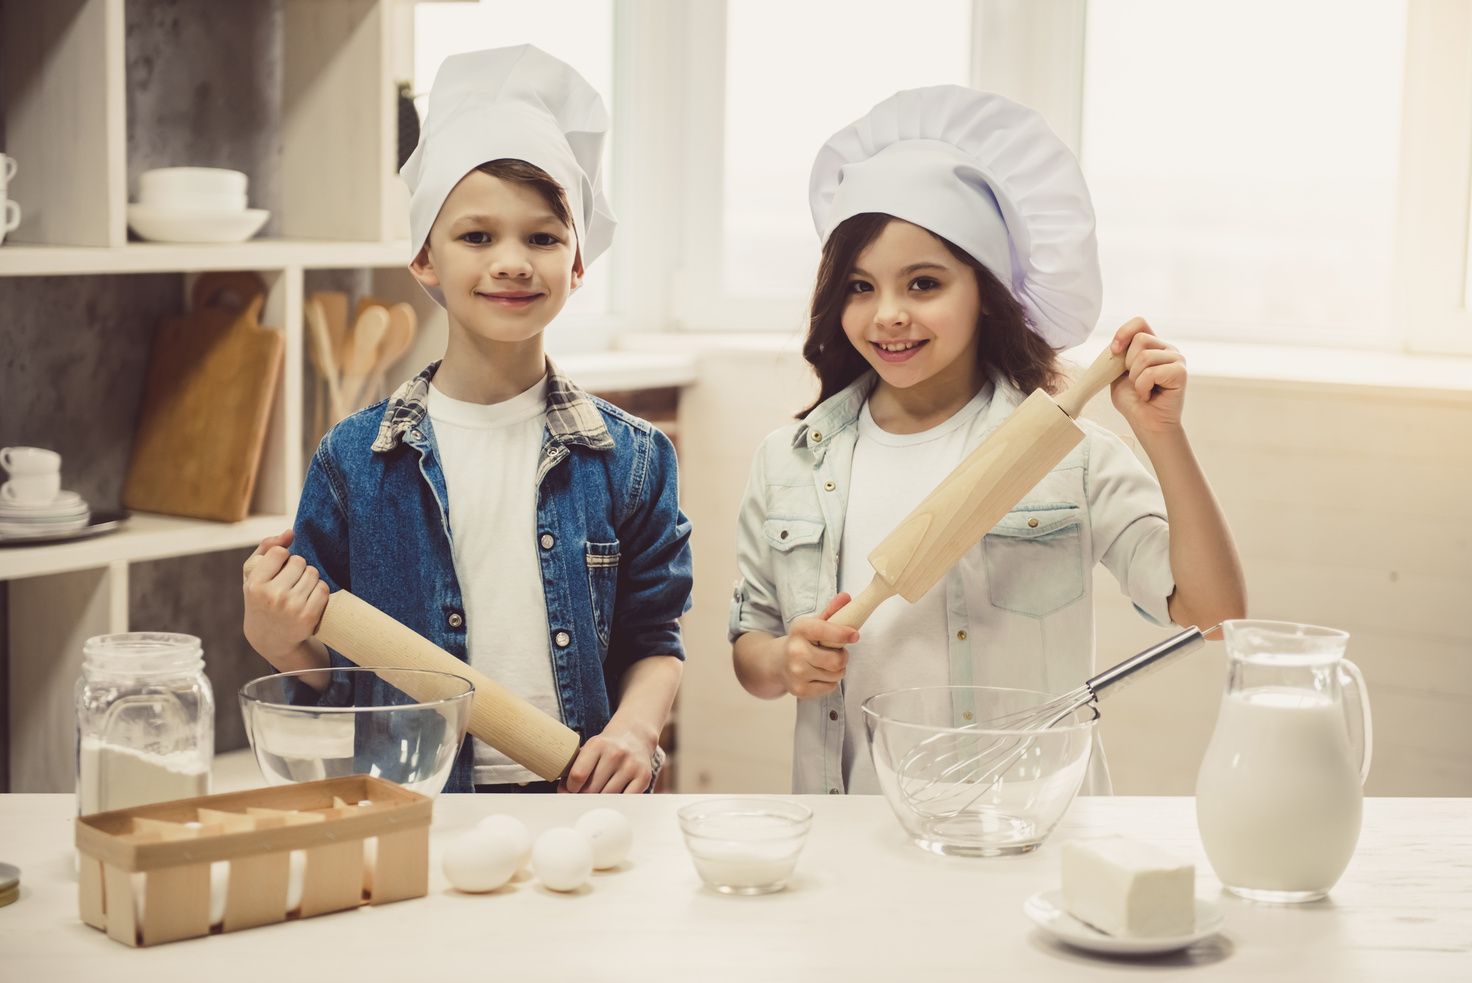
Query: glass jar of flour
[(145, 721)]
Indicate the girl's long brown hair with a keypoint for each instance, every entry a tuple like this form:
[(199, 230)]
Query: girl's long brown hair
[(1008, 346)]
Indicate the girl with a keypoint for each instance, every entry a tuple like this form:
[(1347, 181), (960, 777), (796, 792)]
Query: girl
[(958, 259)]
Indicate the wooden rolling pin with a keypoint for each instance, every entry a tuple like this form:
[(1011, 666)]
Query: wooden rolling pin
[(978, 493), (498, 716)]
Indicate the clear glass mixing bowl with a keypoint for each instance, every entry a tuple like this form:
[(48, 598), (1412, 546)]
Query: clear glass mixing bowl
[(410, 736), (960, 785)]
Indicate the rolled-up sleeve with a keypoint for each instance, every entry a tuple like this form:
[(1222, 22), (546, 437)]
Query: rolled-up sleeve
[(655, 573), (1131, 536), (754, 603)]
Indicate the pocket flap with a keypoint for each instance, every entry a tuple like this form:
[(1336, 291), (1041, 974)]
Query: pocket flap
[(785, 533), (1031, 521)]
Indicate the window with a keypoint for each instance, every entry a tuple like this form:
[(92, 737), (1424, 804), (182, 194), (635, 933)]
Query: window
[(580, 32), (1243, 162), (796, 72)]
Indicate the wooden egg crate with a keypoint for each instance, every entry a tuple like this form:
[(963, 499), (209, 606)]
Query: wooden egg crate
[(145, 875)]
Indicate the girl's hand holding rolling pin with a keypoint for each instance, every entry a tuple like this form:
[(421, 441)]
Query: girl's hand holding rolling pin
[(813, 657), (1153, 390)]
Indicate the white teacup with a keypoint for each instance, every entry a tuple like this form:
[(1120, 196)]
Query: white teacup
[(213, 189), (29, 460), (31, 489), (12, 209)]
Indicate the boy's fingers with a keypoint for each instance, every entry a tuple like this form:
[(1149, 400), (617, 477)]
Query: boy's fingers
[(271, 563), (280, 539)]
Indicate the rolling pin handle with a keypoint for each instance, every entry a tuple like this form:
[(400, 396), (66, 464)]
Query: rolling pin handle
[(1104, 370), (857, 611)]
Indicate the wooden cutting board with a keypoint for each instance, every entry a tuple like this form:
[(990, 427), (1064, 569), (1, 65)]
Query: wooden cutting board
[(206, 403)]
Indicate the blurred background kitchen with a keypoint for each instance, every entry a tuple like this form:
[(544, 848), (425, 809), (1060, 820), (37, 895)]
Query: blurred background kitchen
[(1282, 189)]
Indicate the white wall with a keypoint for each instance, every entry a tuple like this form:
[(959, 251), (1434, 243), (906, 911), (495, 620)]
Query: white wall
[(1350, 507)]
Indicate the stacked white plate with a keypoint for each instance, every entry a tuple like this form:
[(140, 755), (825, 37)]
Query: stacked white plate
[(65, 513)]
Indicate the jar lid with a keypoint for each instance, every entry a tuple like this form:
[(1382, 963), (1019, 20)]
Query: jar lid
[(9, 884), (143, 653)]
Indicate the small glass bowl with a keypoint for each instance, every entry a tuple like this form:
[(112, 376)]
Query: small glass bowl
[(403, 725), (962, 787), (745, 846)]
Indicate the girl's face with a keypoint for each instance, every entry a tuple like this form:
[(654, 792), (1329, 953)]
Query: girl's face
[(912, 312), (505, 263)]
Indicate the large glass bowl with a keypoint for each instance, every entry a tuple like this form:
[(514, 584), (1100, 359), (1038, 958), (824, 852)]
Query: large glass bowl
[(409, 735), (961, 786)]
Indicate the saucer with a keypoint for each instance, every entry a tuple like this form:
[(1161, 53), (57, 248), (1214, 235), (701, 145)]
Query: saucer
[(65, 503), (1048, 910), (194, 225), (96, 525)]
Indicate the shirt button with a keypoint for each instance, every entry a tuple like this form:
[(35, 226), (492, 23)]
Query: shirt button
[(1032, 523), (967, 715), (832, 714), (455, 619), (416, 435), (562, 639), (961, 634), (829, 486), (784, 534), (833, 791), (817, 436), (547, 540)]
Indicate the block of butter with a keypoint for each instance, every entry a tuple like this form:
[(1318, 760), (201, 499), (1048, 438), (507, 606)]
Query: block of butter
[(1128, 888)]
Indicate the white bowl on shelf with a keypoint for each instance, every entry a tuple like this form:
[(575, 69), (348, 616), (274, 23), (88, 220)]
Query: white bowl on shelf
[(195, 225)]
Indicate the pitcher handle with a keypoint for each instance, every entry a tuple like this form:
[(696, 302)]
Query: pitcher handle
[(1362, 698)]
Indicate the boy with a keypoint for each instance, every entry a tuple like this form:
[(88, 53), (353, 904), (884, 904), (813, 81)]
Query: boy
[(489, 504)]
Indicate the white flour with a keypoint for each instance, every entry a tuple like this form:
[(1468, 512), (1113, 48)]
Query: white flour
[(110, 777)]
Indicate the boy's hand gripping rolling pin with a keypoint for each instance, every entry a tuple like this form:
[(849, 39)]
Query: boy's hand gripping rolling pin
[(498, 716), (974, 497)]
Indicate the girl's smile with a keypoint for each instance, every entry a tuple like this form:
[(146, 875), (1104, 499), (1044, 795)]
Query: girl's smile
[(898, 351)]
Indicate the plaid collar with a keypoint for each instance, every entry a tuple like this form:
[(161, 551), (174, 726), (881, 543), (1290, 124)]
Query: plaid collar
[(572, 417)]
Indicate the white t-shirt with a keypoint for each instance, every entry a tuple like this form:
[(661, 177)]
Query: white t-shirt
[(489, 457), (898, 646)]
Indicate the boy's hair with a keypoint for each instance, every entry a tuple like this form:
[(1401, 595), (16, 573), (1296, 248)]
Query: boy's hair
[(521, 172), (1007, 344)]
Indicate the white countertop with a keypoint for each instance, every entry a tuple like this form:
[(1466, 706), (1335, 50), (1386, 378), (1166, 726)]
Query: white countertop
[(864, 905)]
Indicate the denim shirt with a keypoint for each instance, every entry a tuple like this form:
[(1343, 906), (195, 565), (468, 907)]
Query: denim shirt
[(1019, 604), (613, 543)]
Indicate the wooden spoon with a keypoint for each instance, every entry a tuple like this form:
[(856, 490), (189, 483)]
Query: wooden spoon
[(402, 324), (362, 355), (324, 356)]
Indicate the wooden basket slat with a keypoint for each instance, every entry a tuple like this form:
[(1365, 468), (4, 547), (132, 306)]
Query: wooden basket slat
[(402, 868)]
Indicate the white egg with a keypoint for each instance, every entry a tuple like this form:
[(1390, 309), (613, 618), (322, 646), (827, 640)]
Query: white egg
[(563, 858), (514, 828), (295, 877), (219, 885), (480, 860), (611, 834)]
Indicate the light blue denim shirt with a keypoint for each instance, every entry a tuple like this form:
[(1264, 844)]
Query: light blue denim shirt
[(1019, 604), (613, 543)]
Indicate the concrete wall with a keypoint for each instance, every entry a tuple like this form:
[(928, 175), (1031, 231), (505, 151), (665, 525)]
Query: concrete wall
[(1349, 505)]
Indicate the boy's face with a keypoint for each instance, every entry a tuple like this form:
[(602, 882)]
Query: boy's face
[(504, 262)]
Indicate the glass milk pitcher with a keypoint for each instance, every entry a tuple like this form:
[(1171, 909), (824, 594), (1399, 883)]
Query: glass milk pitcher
[(1279, 795)]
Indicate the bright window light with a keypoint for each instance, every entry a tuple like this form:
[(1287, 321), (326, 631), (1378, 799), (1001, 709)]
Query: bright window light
[(1242, 158), (796, 72)]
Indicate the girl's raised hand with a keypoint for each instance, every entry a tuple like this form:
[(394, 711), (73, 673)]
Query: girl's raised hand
[(813, 661), (1152, 392)]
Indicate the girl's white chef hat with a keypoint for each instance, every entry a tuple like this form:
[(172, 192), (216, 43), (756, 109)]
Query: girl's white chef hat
[(985, 173), (518, 103)]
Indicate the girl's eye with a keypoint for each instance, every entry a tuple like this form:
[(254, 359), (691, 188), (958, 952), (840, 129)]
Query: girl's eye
[(476, 238), (544, 239), (860, 287), (924, 283)]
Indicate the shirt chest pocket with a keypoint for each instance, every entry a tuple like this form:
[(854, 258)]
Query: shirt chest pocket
[(602, 563), (1035, 559), (797, 556)]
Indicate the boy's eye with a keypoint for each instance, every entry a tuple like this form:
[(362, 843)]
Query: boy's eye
[(476, 238), (924, 283), (544, 239)]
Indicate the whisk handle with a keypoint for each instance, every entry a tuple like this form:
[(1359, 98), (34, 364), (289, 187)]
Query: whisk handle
[(1152, 660)]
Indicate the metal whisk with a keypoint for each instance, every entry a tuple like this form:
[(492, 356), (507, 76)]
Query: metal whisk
[(942, 783)]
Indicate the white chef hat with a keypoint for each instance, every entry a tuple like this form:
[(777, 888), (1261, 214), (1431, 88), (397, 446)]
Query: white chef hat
[(985, 173), (518, 103)]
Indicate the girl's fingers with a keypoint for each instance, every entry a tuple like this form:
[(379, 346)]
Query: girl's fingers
[(1125, 336), (834, 606)]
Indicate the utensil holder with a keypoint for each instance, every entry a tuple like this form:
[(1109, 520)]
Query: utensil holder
[(322, 819)]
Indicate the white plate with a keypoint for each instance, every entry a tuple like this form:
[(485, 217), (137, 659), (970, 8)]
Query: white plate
[(186, 225), (64, 503), (99, 523), (1048, 910), (31, 530)]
